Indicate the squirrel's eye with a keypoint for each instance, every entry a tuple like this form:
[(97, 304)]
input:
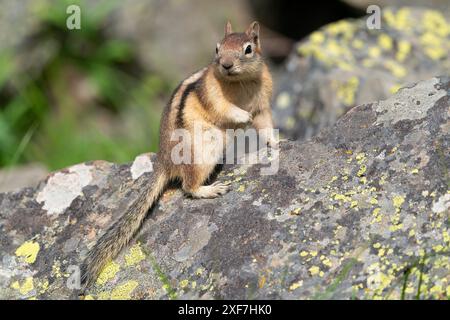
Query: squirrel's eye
[(217, 50), (248, 50)]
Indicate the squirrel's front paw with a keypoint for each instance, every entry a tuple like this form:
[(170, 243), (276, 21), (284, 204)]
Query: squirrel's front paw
[(241, 116)]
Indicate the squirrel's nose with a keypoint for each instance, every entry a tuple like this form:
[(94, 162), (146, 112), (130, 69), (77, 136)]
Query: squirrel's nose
[(227, 65)]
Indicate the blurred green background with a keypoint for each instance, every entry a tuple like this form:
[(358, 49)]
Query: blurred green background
[(89, 98)]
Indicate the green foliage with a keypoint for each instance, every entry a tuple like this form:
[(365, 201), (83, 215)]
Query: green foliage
[(88, 100)]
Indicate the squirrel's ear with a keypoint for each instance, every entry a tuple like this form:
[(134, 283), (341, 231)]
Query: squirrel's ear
[(228, 28), (253, 32)]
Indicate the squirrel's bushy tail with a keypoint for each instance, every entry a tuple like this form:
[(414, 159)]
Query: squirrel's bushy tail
[(122, 231)]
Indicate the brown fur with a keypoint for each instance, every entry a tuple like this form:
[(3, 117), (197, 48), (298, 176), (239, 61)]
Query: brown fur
[(215, 97)]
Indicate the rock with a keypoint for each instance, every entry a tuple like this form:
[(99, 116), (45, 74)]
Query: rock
[(345, 64), (21, 176), (442, 5), (361, 211)]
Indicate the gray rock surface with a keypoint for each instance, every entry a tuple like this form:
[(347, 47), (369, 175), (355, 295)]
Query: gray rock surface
[(345, 64), (361, 211), (21, 176)]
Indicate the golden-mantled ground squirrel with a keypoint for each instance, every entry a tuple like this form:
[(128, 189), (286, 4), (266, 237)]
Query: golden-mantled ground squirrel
[(232, 91)]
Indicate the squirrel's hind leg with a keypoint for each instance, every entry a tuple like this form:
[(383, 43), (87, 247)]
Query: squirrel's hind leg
[(194, 176)]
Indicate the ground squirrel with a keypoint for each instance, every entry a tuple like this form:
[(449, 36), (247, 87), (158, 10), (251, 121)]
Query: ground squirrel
[(234, 90)]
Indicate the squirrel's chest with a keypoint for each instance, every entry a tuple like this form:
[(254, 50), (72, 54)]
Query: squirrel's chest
[(244, 97)]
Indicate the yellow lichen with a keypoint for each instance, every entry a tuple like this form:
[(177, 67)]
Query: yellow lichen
[(435, 53), (341, 197), (434, 45), (360, 157), (184, 283), (342, 27), (135, 255), (404, 48), (396, 227), (25, 287), (374, 52), (385, 41), (445, 236), (346, 90), (362, 170), (398, 201), (358, 44), (303, 254), (394, 89), (29, 250), (199, 271), (296, 285), (15, 285), (327, 262), (56, 269), (43, 285), (435, 22), (377, 280), (314, 270), (104, 295), (317, 37), (395, 68), (108, 273), (123, 291), (401, 20)]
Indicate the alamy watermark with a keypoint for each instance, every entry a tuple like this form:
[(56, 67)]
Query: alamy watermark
[(374, 20), (210, 146), (73, 21)]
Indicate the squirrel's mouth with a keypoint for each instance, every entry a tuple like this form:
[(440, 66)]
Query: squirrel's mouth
[(232, 73)]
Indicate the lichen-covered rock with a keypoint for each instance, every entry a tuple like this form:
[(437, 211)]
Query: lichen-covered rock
[(345, 64), (443, 5), (361, 211)]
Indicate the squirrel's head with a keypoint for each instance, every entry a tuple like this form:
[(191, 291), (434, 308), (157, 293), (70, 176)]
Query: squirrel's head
[(238, 55)]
